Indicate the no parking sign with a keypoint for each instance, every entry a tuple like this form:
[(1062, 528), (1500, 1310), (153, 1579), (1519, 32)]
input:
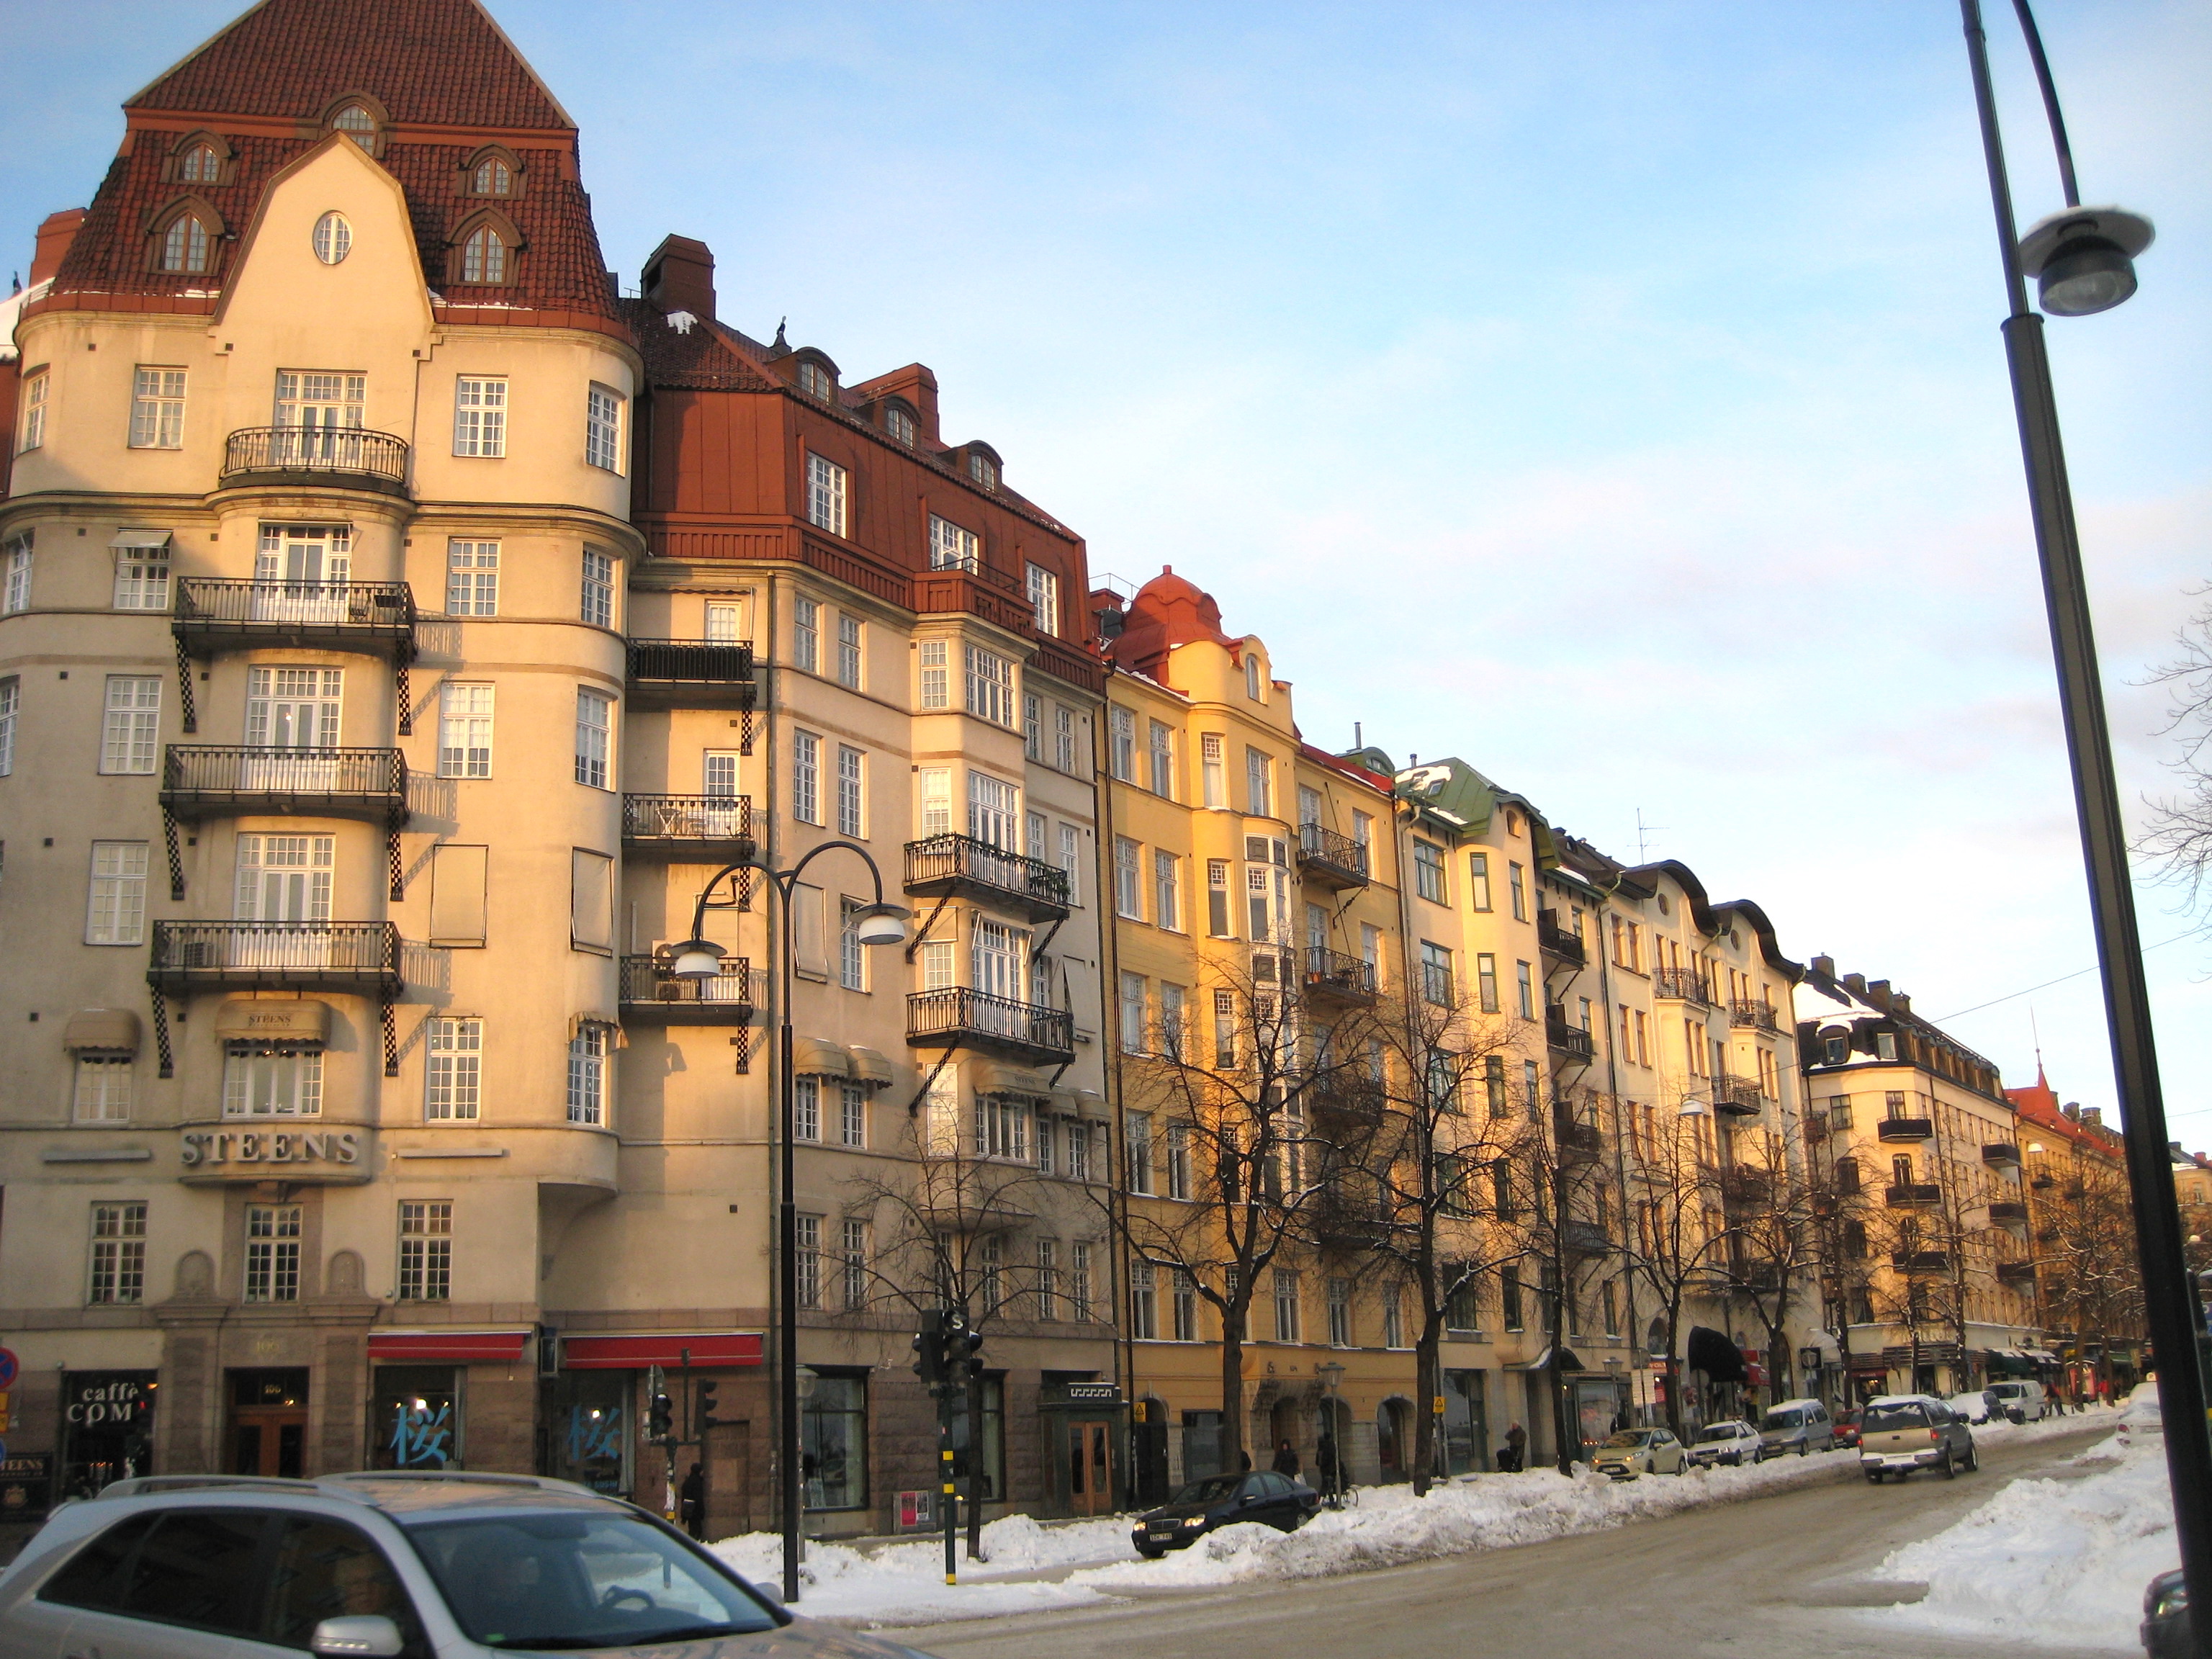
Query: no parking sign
[(7, 1368)]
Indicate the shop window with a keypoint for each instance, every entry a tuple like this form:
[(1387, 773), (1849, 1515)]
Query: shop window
[(991, 1464), (417, 1419), (588, 1437), (834, 1430), (107, 1429)]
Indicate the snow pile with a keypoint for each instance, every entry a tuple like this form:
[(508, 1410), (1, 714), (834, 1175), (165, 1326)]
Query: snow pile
[(2058, 1563)]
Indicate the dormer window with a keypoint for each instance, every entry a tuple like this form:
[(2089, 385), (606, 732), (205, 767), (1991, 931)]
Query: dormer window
[(199, 165), (983, 470), (494, 178), (185, 243), (483, 257), (814, 380), (899, 423), (358, 124)]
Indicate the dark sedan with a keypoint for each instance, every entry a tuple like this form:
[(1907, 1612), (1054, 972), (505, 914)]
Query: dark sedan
[(2166, 1632), (1222, 1500)]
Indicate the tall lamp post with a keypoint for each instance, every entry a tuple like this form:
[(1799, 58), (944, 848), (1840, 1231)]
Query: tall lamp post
[(2082, 261), (699, 958)]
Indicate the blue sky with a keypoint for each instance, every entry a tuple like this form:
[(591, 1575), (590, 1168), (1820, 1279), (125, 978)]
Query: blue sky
[(1608, 393)]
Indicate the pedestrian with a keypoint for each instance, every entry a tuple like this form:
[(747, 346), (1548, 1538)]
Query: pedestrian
[(1286, 1460), (1243, 1460), (692, 1502), (1325, 1466), (1517, 1449)]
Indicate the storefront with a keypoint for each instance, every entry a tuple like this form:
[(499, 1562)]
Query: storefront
[(106, 1428), (419, 1395), (1467, 1428)]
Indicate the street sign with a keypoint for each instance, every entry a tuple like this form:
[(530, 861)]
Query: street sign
[(7, 1368)]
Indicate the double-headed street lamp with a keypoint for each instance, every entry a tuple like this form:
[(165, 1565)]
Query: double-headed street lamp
[(2082, 260), (699, 958)]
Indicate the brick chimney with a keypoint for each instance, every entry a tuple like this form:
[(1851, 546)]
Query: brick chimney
[(914, 384), (1877, 993), (2093, 1117), (1856, 984), (1899, 1003), (1825, 966), (2073, 1110), (56, 233), (680, 276)]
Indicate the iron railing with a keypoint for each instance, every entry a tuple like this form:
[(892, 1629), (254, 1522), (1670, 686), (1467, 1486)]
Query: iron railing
[(335, 450), (276, 952), (1758, 1016), (1334, 974), (225, 601), (653, 818), (648, 980), (369, 777), (1744, 1185), (1562, 942), (1682, 985), (1920, 1262), (1332, 855), (1344, 1094), (691, 662), (957, 1015), (1567, 1038), (1586, 1238), (1904, 1128), (1577, 1140), (938, 864), (1738, 1094), (1912, 1195), (2005, 1212)]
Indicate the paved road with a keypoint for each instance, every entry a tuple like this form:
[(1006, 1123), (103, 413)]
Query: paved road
[(1733, 1579)]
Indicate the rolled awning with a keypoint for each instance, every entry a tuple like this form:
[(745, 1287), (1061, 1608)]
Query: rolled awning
[(447, 1348), (813, 1057), (1715, 1356), (1088, 1102), (101, 1031), (635, 1352), (141, 541), (992, 1077), (290, 1024), (869, 1066)]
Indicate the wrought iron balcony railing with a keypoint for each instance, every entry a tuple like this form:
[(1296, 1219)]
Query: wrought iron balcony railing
[(1904, 1128), (1912, 1195), (1578, 1141), (201, 780), (1344, 1094), (690, 674), (1564, 1037), (361, 957), (938, 866), (1564, 943), (1920, 1262), (1682, 985), (2006, 1213), (957, 1016), (294, 612), (1332, 858), (1744, 1185), (649, 992), (674, 824), (2001, 1153), (1757, 1016), (1586, 1238), (345, 456), (2017, 1274), (1739, 1097), (1332, 975)]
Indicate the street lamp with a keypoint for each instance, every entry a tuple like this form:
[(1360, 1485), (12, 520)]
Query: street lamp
[(2082, 260), (1331, 1373), (700, 958)]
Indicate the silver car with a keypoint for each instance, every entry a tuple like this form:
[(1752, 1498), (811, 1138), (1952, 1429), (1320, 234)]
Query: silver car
[(381, 1565)]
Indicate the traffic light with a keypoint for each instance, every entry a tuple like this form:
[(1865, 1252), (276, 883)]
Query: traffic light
[(660, 1415), (706, 1419), (960, 1352), (929, 1350)]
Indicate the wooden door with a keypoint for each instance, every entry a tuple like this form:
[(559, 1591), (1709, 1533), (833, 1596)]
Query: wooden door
[(269, 1440), (1091, 1468), (729, 1502)]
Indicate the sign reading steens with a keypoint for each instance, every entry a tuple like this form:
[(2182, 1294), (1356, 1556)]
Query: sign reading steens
[(328, 1154)]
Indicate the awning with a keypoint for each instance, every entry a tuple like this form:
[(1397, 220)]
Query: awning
[(2041, 1356), (813, 1057), (1568, 1362), (1715, 1356), (635, 1352), (101, 1031), (447, 1348), (869, 1066), (286, 1025), (1088, 1102), (992, 1077), (141, 541), (1869, 1364)]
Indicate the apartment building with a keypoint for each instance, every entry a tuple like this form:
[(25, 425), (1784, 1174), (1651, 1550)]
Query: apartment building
[(1917, 1153), (2080, 1218)]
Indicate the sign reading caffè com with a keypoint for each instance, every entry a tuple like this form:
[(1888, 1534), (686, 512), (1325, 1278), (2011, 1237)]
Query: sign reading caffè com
[(327, 1155)]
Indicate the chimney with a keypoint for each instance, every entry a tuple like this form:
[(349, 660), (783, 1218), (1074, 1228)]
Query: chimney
[(1877, 993), (2093, 1117), (1825, 966), (2073, 1110), (58, 231), (1856, 984), (1899, 1003), (680, 276)]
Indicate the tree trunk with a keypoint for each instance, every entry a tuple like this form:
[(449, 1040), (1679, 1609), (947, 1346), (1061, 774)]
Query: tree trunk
[(1678, 1378), (1232, 1388), (1428, 1383)]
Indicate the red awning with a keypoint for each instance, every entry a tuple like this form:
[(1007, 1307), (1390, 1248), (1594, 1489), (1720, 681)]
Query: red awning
[(448, 1347), (636, 1352)]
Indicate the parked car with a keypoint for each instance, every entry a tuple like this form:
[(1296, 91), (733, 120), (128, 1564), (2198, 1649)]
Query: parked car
[(2142, 1416), (1222, 1500), (1901, 1432), (1731, 1441), (1641, 1451), (1976, 1407), (380, 1564), (2166, 1631), (1847, 1426), (1796, 1425), (2024, 1400)]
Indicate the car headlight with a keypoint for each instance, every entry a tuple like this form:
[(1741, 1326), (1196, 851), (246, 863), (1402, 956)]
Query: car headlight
[(1190, 1521), (2175, 1600)]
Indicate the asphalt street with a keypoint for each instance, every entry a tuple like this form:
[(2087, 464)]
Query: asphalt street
[(1774, 1576)]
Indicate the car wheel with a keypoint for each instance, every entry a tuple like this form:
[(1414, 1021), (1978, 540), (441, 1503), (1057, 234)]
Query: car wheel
[(1873, 1477), (1973, 1459), (1150, 1554), (1804, 1446), (1948, 1469)]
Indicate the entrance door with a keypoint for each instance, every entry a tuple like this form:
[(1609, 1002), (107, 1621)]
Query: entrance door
[(292, 708), (1091, 1468), (720, 783), (269, 1423), (286, 880), (300, 571)]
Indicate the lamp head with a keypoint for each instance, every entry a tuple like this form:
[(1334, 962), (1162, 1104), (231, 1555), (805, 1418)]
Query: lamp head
[(696, 958), (1693, 1108), (880, 924), (2083, 259)]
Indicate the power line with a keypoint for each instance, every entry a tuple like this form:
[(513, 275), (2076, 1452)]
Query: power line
[(2012, 995)]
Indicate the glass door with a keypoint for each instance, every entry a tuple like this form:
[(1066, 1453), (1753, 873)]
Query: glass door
[(300, 571), (284, 882), (318, 408), (719, 784), (292, 709)]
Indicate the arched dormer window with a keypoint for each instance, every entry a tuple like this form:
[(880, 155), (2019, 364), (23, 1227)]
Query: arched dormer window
[(483, 257), (982, 467), (817, 376), (201, 159), (185, 237), (494, 172), (361, 118), (899, 421), (483, 251)]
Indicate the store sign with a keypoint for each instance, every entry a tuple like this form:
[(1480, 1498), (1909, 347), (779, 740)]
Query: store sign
[(97, 1401), (206, 1148), (1102, 1393)]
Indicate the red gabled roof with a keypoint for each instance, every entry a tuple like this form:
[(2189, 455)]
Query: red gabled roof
[(436, 63)]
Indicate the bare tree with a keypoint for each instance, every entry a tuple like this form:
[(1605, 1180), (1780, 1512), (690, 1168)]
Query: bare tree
[(2178, 833), (2087, 1267), (1775, 1233), (1679, 1235)]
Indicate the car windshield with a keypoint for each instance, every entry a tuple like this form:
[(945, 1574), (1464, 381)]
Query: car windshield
[(1783, 1420), (1879, 1418), (1214, 1489), (1630, 1438), (1720, 1431), (579, 1582)]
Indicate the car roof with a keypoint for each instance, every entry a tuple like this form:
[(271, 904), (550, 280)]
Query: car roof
[(1906, 1400), (1782, 1405), (405, 1495)]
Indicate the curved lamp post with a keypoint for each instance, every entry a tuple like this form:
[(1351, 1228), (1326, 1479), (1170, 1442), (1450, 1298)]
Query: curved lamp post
[(2082, 260), (699, 957)]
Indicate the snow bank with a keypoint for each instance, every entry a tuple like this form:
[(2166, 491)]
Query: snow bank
[(2056, 1562)]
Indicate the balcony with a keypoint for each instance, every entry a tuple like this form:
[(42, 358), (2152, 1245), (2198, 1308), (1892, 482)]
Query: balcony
[(1682, 985), (359, 956), (698, 828), (2042, 1180), (200, 780), (1333, 976), (1579, 1142), (2010, 1215), (1912, 1195), (2020, 1275), (332, 457), (1905, 1128), (1816, 1125), (690, 674), (1346, 1096), (1557, 942), (2001, 1154), (1737, 1096), (1745, 1188), (942, 866), (1334, 860), (959, 1018), (214, 613), (1564, 1038), (1920, 1262), (651, 995), (1746, 1015), (1586, 1238)]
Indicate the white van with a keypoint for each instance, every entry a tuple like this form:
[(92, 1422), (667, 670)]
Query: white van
[(2021, 1400), (1796, 1425)]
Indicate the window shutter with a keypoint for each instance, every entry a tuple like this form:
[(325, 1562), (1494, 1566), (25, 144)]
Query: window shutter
[(457, 880), (590, 900), (810, 951)]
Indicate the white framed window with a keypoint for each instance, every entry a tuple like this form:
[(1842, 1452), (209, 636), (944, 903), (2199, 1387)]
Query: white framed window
[(1043, 587), (1121, 743), (1070, 860), (453, 1078), (1133, 990), (1340, 1313), (157, 408), (272, 1253), (426, 1249), (594, 738), (332, 237), (101, 1091), (939, 965), (806, 634), (483, 256), (852, 1113), (855, 1265), (1128, 899), (1167, 900), (1079, 1275), (808, 1264), (951, 548), (322, 398), (465, 714), (1174, 1019), (1259, 790), (129, 728), (936, 689), (900, 424), (597, 604), (1178, 1160), (10, 694), (1182, 1291), (1161, 750), (587, 1075), (1078, 1149), (1144, 1302), (1254, 686), (851, 768), (1063, 736), (814, 380), (115, 909), (1032, 727), (15, 579), (141, 578), (990, 686), (851, 658), (825, 494), (261, 1082), (806, 777), (1034, 828), (1286, 1305), (602, 416), (285, 878), (480, 417), (983, 471), (994, 811), (1213, 770), (934, 798), (852, 955), (32, 429), (472, 578), (294, 708), (806, 1108), (119, 1255)]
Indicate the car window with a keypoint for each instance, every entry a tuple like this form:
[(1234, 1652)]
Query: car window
[(98, 1575), (196, 1566), (1256, 1486), (327, 1570), (1880, 1419)]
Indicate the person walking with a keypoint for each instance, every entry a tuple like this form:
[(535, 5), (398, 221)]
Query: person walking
[(1325, 1467), (1286, 1460), (1517, 1449), (692, 1501)]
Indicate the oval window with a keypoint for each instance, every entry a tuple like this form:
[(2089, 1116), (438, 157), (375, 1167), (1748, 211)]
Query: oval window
[(333, 238)]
